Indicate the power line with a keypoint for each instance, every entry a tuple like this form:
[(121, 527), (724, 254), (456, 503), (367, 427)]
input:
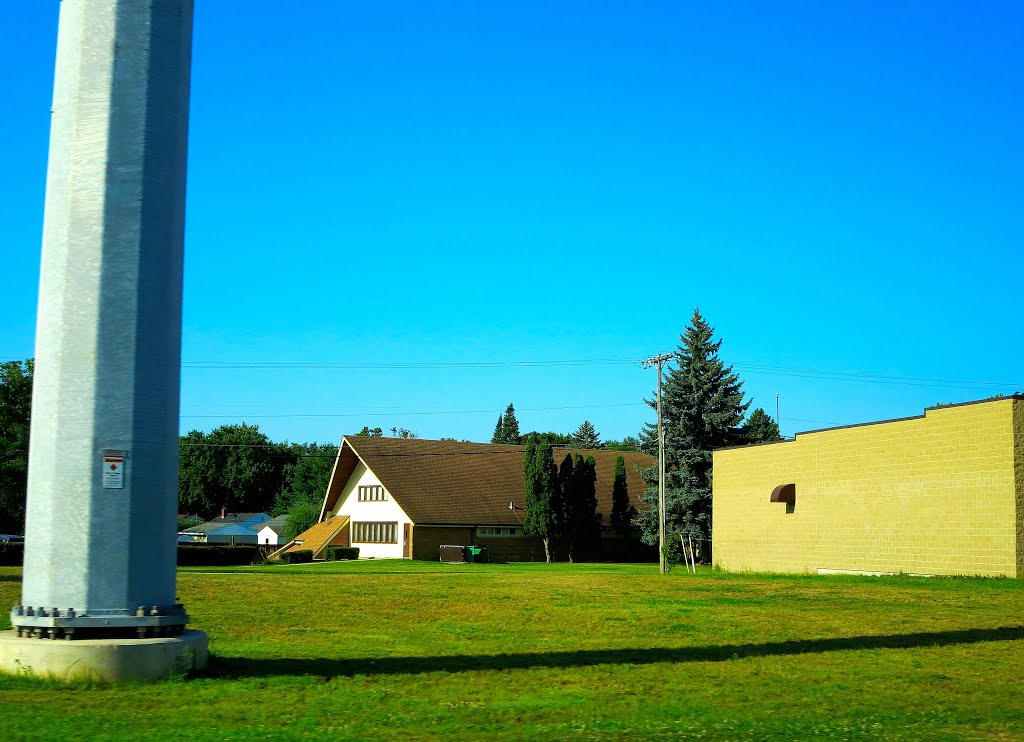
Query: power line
[(416, 413), (753, 368), (757, 368), (404, 365)]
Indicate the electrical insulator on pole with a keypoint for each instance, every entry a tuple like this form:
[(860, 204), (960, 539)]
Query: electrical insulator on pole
[(658, 360)]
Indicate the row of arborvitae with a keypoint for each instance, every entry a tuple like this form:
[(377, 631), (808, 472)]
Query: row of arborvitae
[(561, 502)]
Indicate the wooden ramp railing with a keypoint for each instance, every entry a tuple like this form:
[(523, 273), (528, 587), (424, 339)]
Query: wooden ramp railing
[(316, 539)]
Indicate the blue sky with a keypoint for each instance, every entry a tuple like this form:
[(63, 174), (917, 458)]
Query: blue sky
[(394, 192)]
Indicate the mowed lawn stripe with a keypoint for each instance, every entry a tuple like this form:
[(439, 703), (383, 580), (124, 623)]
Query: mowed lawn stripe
[(369, 650)]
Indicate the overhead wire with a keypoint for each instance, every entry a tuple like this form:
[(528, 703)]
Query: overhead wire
[(749, 367), (418, 413)]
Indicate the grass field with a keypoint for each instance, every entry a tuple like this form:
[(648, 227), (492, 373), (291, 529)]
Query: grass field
[(390, 649)]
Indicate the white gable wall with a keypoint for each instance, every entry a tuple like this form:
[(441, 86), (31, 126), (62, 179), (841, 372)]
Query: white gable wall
[(380, 511), (268, 536)]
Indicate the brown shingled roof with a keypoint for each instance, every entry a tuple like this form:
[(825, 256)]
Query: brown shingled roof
[(451, 483)]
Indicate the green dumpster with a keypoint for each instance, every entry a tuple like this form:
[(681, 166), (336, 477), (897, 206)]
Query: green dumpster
[(473, 553)]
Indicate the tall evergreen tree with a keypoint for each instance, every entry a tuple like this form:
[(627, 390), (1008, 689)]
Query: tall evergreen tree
[(543, 495), (510, 426), (581, 521), (499, 431), (588, 520), (702, 409), (623, 511), (507, 429), (567, 485), (760, 428), (586, 437)]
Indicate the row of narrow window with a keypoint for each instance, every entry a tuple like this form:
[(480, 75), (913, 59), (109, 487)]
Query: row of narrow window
[(496, 531), (372, 493), (375, 533)]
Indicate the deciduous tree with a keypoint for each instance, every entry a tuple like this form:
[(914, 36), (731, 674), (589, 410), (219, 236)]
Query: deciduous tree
[(555, 439), (15, 414), (306, 475), (235, 467), (629, 443), (302, 515)]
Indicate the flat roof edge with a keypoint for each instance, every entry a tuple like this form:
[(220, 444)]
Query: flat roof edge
[(1017, 397)]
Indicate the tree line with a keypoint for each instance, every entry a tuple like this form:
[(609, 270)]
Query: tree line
[(238, 468), (585, 436)]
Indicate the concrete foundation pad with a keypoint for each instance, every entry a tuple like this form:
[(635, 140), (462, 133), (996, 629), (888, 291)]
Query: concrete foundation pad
[(103, 659)]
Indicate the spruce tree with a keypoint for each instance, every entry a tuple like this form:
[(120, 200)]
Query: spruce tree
[(499, 431), (586, 437), (760, 428), (510, 426), (623, 511), (702, 409)]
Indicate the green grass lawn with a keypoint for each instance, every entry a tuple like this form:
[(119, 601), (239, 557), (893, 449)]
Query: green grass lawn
[(388, 649)]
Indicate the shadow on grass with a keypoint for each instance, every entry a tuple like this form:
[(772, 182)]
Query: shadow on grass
[(239, 667), (10, 578)]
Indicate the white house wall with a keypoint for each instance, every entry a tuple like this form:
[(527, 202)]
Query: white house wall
[(268, 536), (381, 511)]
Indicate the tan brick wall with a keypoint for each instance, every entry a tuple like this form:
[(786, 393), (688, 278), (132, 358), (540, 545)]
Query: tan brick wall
[(939, 494), (1018, 460)]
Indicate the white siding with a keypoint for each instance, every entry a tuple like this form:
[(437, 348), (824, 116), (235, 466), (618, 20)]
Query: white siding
[(386, 511), (268, 536)]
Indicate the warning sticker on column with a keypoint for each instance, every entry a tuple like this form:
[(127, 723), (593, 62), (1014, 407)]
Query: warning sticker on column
[(113, 472)]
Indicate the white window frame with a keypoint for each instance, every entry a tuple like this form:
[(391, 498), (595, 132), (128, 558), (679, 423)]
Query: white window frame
[(375, 532), (371, 493), (497, 531)]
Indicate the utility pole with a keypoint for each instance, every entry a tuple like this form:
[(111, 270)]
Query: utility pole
[(778, 420), (658, 360)]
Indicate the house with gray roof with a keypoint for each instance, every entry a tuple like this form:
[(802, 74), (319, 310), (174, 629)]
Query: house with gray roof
[(272, 531)]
